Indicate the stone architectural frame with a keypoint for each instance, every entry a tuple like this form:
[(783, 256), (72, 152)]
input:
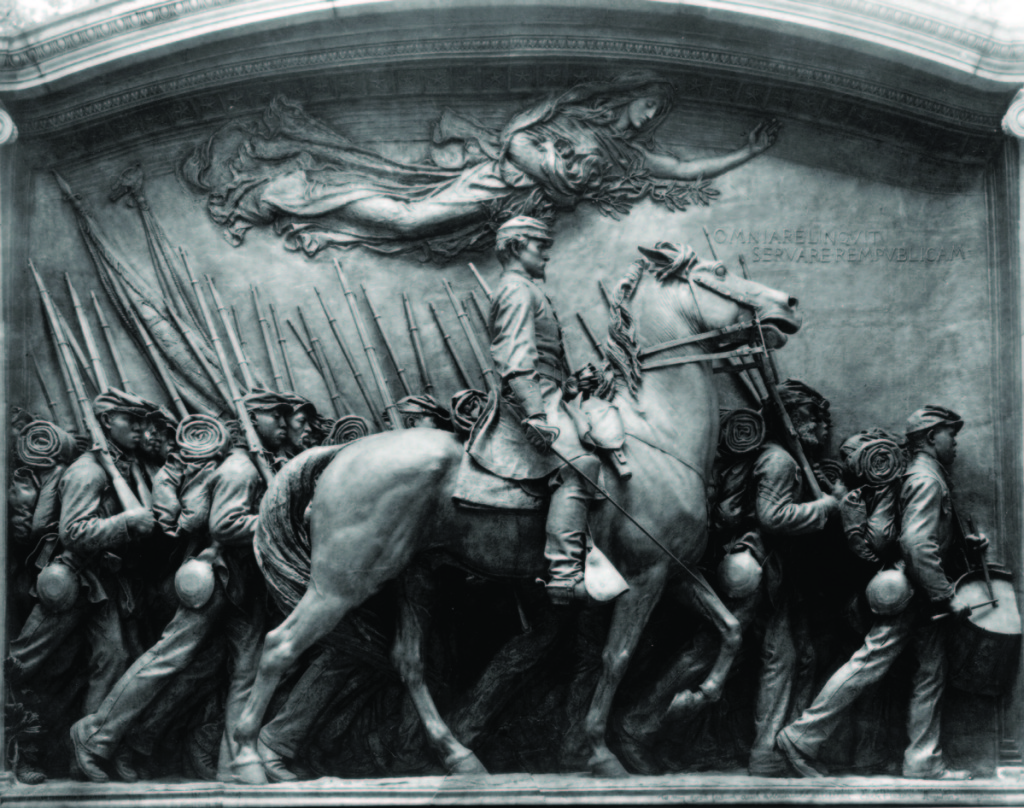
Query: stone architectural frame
[(960, 78)]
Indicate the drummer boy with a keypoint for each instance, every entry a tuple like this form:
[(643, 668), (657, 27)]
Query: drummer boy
[(929, 535)]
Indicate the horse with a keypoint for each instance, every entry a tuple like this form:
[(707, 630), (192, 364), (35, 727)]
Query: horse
[(382, 507)]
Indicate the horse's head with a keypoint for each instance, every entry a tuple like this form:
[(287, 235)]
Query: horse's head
[(710, 297)]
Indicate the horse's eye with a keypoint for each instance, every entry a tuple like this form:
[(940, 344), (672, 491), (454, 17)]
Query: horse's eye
[(720, 271)]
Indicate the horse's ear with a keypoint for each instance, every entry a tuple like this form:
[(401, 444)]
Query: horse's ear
[(670, 260)]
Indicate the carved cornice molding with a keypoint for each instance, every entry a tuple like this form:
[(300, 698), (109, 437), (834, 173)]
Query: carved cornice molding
[(35, 121), (131, 29), (1013, 121)]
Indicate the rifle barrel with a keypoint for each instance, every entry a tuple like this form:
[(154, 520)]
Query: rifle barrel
[(329, 380), (108, 337), (283, 343), (451, 348), (236, 346), (486, 369), (388, 347), (480, 280), (275, 368), (201, 357), (87, 336), (357, 374), (76, 349), (161, 367), (371, 353), (313, 358), (417, 346), (51, 405), (590, 336)]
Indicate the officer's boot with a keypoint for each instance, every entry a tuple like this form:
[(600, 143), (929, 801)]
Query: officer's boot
[(566, 531)]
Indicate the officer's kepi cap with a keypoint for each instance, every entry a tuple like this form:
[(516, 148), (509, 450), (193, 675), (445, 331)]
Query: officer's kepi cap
[(113, 400), (260, 400), (523, 227), (932, 415)]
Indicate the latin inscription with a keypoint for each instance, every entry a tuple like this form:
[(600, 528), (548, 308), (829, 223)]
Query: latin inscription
[(817, 245)]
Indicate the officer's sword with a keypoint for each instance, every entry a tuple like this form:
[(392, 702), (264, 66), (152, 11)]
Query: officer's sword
[(696, 576)]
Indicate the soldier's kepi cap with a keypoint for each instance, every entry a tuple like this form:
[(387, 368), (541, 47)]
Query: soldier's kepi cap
[(260, 400), (795, 393), (932, 415), (523, 227), (163, 418), (423, 405), (297, 403), (113, 400)]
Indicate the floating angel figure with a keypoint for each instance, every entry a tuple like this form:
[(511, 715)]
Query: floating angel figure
[(593, 144)]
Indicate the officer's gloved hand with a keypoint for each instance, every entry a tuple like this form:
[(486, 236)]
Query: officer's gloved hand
[(978, 542), (539, 432), (140, 521), (958, 609)]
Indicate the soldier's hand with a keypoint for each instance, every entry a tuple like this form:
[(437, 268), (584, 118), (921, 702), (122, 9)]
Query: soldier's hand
[(539, 432), (959, 610), (140, 521), (977, 542)]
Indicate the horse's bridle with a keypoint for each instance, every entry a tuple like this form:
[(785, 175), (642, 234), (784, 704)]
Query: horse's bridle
[(745, 352)]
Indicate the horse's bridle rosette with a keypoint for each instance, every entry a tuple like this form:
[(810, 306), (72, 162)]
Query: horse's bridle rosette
[(347, 429), (202, 438), (742, 431), (43, 445)]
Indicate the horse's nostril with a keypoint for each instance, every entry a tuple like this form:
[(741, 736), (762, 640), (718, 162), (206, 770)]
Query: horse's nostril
[(793, 302)]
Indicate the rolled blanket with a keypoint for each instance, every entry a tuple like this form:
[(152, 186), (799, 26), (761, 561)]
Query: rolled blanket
[(830, 470), (742, 431), (467, 405), (878, 461), (202, 438), (347, 429), (42, 445)]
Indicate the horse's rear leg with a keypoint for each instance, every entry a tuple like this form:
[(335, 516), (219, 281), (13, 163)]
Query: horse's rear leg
[(632, 611), (700, 597), (313, 617), (407, 656)]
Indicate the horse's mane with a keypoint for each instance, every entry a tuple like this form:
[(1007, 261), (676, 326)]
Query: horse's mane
[(621, 348)]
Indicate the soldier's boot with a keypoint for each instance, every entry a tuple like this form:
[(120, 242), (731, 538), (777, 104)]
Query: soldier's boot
[(274, 765), (28, 770), (124, 764), (566, 531), (88, 762)]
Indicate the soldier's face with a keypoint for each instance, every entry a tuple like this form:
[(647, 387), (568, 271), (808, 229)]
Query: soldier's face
[(422, 421), (124, 430), (271, 428), (811, 426), (156, 442), (300, 431), (944, 441), (534, 257)]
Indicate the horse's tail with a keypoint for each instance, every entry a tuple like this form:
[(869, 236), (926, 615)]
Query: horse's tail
[(282, 536)]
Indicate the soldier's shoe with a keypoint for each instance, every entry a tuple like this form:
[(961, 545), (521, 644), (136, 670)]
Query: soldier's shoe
[(273, 764), (88, 763), (797, 759), (27, 769), (124, 765), (943, 774)]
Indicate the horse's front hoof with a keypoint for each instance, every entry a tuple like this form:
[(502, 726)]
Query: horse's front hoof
[(248, 768), (686, 705), (468, 764), (607, 765)]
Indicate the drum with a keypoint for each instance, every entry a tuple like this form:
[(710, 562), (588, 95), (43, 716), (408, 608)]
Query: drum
[(983, 650)]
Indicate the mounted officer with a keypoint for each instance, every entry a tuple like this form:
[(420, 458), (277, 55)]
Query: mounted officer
[(533, 413)]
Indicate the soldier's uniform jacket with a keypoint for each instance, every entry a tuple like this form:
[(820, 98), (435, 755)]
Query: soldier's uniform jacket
[(781, 512), (92, 522), (526, 339), (236, 489), (930, 528)]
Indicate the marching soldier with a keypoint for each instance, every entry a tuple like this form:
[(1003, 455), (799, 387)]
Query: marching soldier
[(786, 521), (300, 423), (532, 412), (929, 533), (233, 606), (79, 589)]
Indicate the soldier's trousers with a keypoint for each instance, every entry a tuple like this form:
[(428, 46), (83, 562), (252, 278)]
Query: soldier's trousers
[(787, 665), (883, 644), (45, 632), (177, 648)]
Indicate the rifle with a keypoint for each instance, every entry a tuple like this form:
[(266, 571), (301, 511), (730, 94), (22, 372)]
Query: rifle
[(108, 337), (387, 344), (480, 313), (480, 280), (417, 346), (275, 369), (87, 337), (451, 348), (328, 373), (283, 343), (236, 346), (65, 374), (77, 352), (590, 336), (356, 373), (605, 294), (486, 368), (161, 367), (123, 491), (186, 332), (371, 353), (252, 440), (50, 403)]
